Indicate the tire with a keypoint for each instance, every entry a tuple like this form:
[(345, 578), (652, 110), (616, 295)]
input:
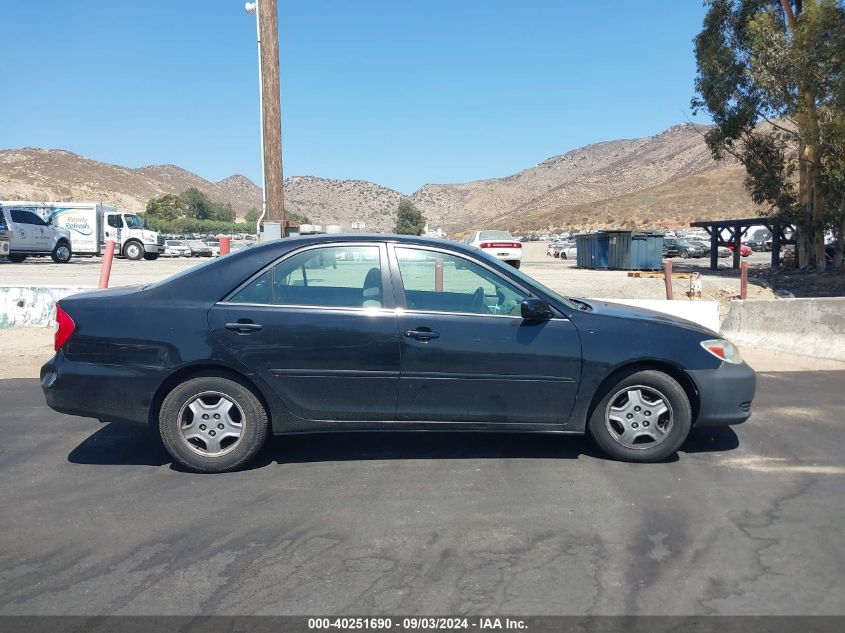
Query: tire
[(562, 256), (515, 263), (133, 250), (16, 258), (684, 254), (151, 257), (62, 252), (200, 452), (657, 390)]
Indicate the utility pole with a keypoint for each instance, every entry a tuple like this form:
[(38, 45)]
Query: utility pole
[(267, 28), (268, 24)]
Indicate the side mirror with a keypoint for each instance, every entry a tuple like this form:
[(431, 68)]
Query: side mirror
[(536, 310)]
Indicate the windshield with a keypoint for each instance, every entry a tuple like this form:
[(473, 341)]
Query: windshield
[(133, 221), (494, 235)]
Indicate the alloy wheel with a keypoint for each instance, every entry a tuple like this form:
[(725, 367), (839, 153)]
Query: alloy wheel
[(211, 424), (639, 417)]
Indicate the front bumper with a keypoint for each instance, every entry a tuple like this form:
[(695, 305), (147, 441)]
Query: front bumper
[(725, 394), (153, 248)]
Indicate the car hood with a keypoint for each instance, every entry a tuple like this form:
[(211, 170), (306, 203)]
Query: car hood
[(618, 310)]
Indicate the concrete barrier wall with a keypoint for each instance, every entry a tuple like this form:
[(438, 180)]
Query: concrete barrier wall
[(32, 306), (705, 313), (808, 327)]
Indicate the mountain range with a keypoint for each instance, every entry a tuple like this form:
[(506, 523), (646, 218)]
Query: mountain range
[(668, 179)]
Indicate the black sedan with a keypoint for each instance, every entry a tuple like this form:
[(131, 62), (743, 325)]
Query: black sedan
[(336, 333)]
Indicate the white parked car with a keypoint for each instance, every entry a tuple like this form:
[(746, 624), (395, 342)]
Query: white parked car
[(176, 248), (499, 244), (214, 245)]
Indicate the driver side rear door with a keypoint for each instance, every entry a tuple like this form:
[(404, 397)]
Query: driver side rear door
[(319, 326), (467, 354)]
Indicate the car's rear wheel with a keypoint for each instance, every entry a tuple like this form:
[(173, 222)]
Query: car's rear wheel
[(644, 417), (212, 424), (562, 255), (515, 263)]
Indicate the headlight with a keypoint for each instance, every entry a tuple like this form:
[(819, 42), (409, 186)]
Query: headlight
[(723, 350)]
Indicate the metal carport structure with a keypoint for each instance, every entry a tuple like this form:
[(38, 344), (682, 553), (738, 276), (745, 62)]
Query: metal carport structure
[(782, 235)]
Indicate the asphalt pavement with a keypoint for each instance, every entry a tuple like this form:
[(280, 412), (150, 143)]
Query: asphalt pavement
[(746, 520)]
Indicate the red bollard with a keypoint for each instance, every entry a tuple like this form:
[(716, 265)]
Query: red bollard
[(224, 245), (108, 256), (667, 278), (743, 280)]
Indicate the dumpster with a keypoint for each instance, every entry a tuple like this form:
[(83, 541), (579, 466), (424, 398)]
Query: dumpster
[(619, 249), (599, 243), (582, 243), (647, 251)]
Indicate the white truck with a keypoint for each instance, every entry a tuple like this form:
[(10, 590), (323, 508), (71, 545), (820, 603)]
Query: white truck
[(90, 224), (28, 234)]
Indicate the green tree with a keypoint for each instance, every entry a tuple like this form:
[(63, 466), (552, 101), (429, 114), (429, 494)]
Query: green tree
[(221, 211), (252, 216), (770, 74), (197, 204), (409, 219), (166, 207)]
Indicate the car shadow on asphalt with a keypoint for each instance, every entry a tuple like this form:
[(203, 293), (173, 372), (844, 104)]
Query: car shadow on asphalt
[(123, 444)]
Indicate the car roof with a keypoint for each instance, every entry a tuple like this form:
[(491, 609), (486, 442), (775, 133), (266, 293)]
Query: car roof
[(327, 238)]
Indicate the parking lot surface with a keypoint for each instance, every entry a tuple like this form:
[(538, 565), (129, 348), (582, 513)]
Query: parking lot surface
[(747, 520)]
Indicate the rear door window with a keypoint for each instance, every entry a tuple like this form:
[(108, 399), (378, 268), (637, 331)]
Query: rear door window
[(332, 276)]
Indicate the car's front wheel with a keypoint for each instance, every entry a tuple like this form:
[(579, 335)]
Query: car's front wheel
[(133, 250), (644, 417), (684, 254), (212, 424)]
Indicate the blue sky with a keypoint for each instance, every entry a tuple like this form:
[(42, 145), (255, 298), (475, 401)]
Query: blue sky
[(399, 92)]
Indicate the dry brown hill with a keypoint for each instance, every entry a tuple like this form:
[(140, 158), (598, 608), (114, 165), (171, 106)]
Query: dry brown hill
[(715, 193), (663, 179), (587, 178), (42, 174)]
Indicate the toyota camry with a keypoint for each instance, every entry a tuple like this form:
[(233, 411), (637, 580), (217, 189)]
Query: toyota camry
[(349, 333)]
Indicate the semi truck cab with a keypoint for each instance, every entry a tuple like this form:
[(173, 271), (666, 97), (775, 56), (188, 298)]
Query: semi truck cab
[(128, 231)]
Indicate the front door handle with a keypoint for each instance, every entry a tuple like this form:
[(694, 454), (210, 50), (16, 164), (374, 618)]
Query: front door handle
[(243, 328), (422, 334)]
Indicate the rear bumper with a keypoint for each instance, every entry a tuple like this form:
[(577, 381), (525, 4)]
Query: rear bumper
[(104, 392), (726, 394), (505, 254)]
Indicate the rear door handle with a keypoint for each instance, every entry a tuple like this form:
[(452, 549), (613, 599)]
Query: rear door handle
[(243, 328), (422, 334)]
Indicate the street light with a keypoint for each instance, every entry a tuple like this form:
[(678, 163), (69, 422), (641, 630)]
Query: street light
[(250, 8)]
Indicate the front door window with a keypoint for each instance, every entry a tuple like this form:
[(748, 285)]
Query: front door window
[(439, 282)]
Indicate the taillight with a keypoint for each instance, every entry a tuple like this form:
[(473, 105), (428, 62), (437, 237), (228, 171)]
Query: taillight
[(64, 327), (501, 245)]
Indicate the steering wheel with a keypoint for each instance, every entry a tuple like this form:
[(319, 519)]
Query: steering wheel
[(478, 304)]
